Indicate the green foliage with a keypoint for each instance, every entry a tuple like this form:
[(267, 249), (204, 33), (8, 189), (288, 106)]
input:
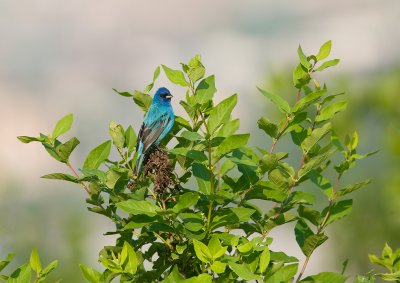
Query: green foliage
[(31, 271), (203, 225)]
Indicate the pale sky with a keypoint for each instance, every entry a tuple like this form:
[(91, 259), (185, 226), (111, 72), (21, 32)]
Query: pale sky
[(58, 57)]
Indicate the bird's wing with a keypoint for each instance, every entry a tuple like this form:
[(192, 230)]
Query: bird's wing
[(152, 129)]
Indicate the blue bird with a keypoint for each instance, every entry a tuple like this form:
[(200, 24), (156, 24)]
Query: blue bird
[(157, 123)]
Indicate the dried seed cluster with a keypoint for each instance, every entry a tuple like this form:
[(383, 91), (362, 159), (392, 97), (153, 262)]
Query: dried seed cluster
[(157, 168)]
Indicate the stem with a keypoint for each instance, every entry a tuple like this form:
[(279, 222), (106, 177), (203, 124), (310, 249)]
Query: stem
[(164, 241), (76, 175), (282, 128), (303, 269), (296, 176), (321, 227), (300, 166), (210, 170), (298, 95), (211, 181), (125, 159)]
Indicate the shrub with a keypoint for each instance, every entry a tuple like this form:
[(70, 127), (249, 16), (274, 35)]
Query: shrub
[(202, 211)]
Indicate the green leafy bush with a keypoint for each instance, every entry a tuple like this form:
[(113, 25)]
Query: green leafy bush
[(195, 214), (24, 273)]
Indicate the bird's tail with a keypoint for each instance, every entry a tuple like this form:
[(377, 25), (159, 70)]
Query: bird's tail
[(138, 165)]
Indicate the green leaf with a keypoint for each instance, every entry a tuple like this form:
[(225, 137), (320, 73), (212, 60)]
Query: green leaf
[(301, 197), (49, 268), (395, 276), (221, 113), (142, 100), (189, 153), (21, 275), (268, 127), (6, 261), (307, 100), (268, 162), (192, 222), (354, 141), (307, 240), (175, 76), (242, 213), (315, 162), (117, 134), (139, 207), (315, 137), (322, 183), (63, 126), (62, 176), (364, 279), (303, 58), (228, 128), (130, 139), (202, 251), (226, 166), (131, 262), (90, 274), (205, 90), (231, 143), (312, 242), (325, 277), (34, 261), (301, 76), (339, 210), (65, 149), (265, 258), (332, 109), (230, 216), (324, 51), (97, 156), (243, 271), (282, 257), (26, 139), (123, 93), (155, 76), (196, 69), (266, 191), (277, 100), (215, 248), (218, 267), (310, 214), (174, 276), (202, 175), (297, 133), (156, 73), (327, 64), (191, 136), (351, 188), (185, 201), (280, 178), (111, 265), (284, 274)]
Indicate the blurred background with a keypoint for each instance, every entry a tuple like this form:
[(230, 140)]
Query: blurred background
[(58, 57)]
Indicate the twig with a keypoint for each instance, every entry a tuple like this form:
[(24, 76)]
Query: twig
[(303, 268), (282, 128), (321, 227), (76, 175)]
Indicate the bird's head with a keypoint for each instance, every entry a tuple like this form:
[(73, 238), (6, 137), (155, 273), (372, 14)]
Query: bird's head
[(162, 95)]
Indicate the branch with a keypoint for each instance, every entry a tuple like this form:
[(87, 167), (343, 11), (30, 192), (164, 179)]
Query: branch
[(280, 132), (76, 175)]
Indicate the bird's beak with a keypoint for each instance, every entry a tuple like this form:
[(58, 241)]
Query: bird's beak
[(168, 96)]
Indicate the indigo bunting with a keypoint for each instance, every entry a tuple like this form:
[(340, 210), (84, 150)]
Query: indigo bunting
[(157, 123)]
